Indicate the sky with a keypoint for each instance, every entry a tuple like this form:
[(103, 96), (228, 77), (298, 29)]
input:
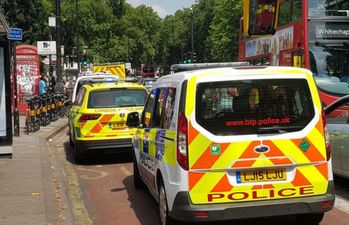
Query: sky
[(163, 7)]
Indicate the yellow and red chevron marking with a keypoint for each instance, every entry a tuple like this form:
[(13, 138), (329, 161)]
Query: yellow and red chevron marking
[(113, 69), (210, 179), (101, 128)]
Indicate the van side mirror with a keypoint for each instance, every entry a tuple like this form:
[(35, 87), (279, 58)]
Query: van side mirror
[(133, 119)]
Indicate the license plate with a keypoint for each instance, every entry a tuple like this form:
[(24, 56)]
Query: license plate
[(116, 125), (260, 175)]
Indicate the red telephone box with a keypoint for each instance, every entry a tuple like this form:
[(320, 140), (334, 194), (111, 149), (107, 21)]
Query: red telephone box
[(28, 74)]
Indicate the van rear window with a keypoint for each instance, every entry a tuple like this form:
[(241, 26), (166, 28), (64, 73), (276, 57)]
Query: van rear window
[(254, 106), (118, 97)]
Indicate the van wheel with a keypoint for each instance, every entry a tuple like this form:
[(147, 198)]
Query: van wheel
[(310, 219), (163, 206), (137, 181)]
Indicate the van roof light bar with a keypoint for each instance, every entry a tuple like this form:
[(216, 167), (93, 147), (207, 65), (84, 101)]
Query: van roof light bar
[(195, 66)]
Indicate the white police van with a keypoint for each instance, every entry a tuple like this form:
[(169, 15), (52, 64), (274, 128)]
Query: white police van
[(234, 143)]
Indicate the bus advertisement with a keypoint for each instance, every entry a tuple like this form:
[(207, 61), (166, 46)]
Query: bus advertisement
[(312, 34)]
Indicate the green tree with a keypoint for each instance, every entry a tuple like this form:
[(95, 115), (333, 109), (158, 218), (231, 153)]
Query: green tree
[(29, 15), (115, 31), (224, 30), (118, 7), (141, 30), (174, 39), (203, 13)]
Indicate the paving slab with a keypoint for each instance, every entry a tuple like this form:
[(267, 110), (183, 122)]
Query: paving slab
[(27, 196)]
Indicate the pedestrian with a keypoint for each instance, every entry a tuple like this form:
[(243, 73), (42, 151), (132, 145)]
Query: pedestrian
[(59, 87), (52, 83), (42, 85)]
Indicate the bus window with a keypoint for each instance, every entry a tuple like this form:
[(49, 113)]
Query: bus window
[(317, 8), (296, 10), (260, 16), (330, 66), (284, 13)]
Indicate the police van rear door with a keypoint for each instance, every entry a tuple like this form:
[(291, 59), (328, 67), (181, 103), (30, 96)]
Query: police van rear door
[(256, 139)]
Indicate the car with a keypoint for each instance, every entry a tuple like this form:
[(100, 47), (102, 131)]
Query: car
[(97, 118), (93, 78), (148, 82), (234, 143), (338, 127)]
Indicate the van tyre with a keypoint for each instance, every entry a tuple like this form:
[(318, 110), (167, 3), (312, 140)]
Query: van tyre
[(310, 219), (163, 206)]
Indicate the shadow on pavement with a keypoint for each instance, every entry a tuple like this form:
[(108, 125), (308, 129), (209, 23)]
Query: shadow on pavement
[(341, 187), (100, 158), (142, 202)]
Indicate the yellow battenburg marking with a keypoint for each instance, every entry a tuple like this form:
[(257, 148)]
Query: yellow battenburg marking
[(190, 96), (288, 148), (232, 153), (314, 91), (207, 182), (318, 140), (88, 126), (152, 144), (170, 148), (260, 161), (310, 171), (200, 144)]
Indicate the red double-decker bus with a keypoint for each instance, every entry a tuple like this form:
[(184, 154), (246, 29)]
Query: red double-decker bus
[(313, 34)]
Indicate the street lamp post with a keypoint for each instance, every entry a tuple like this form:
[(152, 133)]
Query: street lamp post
[(77, 35), (192, 34), (51, 23), (58, 38)]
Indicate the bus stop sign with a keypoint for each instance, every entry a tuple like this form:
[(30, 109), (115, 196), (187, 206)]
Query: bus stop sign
[(15, 34)]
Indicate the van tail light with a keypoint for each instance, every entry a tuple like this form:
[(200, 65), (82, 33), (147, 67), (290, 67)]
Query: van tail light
[(327, 135), (86, 117), (201, 214), (182, 142)]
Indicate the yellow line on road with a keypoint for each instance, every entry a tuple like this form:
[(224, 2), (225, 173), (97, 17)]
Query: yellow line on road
[(125, 171), (80, 213)]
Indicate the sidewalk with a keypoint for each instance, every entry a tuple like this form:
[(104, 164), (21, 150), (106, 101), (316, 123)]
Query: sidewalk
[(26, 191)]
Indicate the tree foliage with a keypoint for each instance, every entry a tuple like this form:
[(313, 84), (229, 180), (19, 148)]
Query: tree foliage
[(29, 15), (114, 31)]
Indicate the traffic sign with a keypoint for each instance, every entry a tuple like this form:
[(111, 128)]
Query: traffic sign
[(15, 34)]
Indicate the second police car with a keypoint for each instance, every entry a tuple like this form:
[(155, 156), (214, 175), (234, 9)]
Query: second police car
[(97, 118), (235, 143)]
